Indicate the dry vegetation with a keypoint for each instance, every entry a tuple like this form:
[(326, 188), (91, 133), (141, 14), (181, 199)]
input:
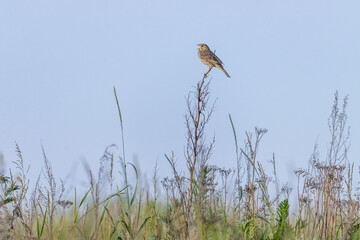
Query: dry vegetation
[(203, 202)]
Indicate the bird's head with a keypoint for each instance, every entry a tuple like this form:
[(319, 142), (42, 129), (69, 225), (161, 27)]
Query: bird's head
[(203, 46)]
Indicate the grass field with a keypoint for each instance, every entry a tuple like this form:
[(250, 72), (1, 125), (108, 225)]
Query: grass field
[(204, 202)]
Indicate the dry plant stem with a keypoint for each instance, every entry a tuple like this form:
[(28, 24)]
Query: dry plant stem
[(196, 122), (198, 115), (276, 179), (178, 182), (50, 194), (156, 194), (325, 190), (22, 208), (252, 171)]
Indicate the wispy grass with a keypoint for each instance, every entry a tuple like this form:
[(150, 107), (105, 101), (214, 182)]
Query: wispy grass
[(203, 202)]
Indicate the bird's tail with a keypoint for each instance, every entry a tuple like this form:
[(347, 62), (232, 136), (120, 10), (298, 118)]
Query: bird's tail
[(222, 69)]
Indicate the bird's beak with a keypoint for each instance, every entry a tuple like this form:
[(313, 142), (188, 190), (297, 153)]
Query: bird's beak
[(198, 44)]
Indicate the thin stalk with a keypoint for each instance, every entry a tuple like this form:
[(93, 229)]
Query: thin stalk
[(123, 149)]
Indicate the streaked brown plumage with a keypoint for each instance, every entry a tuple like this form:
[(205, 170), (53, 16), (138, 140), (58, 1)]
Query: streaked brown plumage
[(209, 58)]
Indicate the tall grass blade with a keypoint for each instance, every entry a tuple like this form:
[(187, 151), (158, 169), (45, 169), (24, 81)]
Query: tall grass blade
[(103, 213)]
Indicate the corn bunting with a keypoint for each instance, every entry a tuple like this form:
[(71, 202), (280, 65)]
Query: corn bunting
[(209, 58)]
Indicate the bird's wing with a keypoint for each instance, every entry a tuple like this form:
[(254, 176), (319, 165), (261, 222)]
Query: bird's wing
[(210, 56), (217, 59)]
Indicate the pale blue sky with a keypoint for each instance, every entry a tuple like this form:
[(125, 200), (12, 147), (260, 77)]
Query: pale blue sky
[(59, 61)]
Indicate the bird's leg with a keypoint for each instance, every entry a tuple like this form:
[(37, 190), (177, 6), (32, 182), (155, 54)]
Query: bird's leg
[(207, 71)]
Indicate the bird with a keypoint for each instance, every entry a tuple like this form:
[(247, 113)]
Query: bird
[(209, 58)]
